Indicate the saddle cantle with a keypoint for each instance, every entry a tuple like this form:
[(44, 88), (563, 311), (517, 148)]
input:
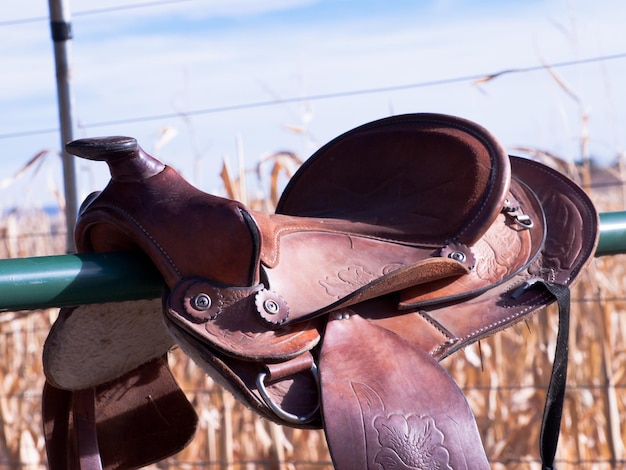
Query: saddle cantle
[(393, 246)]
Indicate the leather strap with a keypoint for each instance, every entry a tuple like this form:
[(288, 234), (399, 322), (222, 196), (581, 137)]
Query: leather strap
[(56, 408), (555, 397), (551, 424), (86, 431), (70, 429)]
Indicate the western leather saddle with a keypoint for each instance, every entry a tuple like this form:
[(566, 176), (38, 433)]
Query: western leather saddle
[(393, 246)]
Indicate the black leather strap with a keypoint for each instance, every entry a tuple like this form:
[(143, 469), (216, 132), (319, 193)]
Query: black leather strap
[(553, 410)]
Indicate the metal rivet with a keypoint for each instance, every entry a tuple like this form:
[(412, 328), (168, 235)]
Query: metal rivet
[(271, 306), (201, 302), (458, 256)]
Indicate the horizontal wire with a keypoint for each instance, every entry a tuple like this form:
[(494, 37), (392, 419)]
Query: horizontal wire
[(324, 96), (365, 91), (96, 11)]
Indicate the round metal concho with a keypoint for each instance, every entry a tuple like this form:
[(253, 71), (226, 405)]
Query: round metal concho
[(459, 252), (202, 302), (272, 308)]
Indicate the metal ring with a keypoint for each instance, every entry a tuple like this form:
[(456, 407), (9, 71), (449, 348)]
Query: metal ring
[(285, 415), (524, 221)]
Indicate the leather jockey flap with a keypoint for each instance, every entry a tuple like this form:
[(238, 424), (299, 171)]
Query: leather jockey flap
[(394, 245)]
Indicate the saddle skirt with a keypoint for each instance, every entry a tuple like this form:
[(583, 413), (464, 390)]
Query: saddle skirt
[(393, 246)]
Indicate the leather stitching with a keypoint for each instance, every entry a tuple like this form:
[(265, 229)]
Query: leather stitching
[(147, 233)]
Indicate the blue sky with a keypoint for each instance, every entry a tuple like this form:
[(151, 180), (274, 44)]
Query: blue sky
[(131, 65)]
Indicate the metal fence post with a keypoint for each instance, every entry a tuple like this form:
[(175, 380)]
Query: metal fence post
[(61, 30)]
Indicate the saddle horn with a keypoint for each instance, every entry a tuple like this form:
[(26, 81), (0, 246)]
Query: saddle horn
[(127, 161)]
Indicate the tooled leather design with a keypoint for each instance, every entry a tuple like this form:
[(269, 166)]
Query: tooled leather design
[(275, 228), (500, 252), (573, 221), (400, 440), (411, 442), (352, 278), (505, 249), (237, 330), (562, 253)]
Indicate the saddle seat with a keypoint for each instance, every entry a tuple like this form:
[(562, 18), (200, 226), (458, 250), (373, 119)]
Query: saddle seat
[(393, 246)]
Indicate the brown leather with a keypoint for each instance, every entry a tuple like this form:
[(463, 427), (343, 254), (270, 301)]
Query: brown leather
[(393, 246), (395, 419), (133, 421), (570, 241), (296, 395), (359, 217)]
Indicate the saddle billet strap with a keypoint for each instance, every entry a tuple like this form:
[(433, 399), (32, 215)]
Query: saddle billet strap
[(282, 371)]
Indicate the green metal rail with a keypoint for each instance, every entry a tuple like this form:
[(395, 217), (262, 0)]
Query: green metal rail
[(612, 234), (65, 280)]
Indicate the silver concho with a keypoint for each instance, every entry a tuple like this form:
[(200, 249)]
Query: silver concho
[(272, 308)]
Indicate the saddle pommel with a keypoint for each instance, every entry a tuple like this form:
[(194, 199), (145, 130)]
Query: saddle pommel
[(127, 161)]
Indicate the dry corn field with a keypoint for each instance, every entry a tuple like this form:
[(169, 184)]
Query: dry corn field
[(504, 378)]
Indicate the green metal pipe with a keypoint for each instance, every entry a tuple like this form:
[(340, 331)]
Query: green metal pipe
[(612, 234), (66, 280)]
